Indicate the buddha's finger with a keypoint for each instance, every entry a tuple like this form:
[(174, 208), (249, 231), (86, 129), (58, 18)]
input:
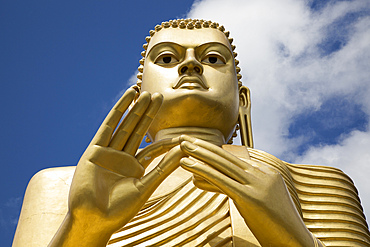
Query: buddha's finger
[(216, 161), (105, 131), (141, 128), (128, 124), (157, 148), (221, 152), (166, 166), (224, 183)]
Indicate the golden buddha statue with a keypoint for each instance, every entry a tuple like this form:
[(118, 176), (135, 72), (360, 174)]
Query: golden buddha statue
[(189, 187)]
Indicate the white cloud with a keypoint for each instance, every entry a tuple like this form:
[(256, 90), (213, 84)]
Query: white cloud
[(280, 51)]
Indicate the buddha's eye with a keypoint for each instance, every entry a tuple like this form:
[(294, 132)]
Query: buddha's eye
[(213, 59), (166, 59)]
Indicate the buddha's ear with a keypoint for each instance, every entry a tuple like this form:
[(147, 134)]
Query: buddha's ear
[(244, 97), (245, 117)]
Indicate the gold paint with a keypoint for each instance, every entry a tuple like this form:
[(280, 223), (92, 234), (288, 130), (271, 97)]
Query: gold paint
[(188, 188)]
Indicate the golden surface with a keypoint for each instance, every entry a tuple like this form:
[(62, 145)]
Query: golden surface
[(188, 188)]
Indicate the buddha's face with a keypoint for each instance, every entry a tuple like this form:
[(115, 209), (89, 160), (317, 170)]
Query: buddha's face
[(195, 72)]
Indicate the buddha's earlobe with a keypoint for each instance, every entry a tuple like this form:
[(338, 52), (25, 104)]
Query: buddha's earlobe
[(245, 117)]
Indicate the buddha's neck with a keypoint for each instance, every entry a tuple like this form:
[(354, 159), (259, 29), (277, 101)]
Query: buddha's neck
[(210, 135)]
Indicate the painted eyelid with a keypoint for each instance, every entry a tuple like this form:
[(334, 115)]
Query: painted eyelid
[(209, 54), (166, 53)]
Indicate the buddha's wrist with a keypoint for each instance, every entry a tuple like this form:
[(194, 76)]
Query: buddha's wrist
[(77, 231)]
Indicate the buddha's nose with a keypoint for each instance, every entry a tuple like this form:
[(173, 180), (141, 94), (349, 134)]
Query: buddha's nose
[(190, 64)]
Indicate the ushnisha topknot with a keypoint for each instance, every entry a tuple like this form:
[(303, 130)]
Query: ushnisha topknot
[(185, 24)]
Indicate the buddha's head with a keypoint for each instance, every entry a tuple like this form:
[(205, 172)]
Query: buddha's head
[(192, 64)]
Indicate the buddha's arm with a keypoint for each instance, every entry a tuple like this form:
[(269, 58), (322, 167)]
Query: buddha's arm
[(258, 191)]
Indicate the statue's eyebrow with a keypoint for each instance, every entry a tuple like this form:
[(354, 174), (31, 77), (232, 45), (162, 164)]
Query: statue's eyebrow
[(164, 43), (215, 43)]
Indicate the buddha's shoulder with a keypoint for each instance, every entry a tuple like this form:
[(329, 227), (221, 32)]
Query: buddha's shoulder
[(51, 184), (313, 182), (308, 174), (319, 172), (310, 170), (51, 179), (45, 205), (54, 173)]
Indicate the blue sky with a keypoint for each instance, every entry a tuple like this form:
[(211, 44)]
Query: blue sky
[(63, 64)]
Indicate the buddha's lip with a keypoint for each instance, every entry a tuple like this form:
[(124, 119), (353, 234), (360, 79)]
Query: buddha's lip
[(190, 80)]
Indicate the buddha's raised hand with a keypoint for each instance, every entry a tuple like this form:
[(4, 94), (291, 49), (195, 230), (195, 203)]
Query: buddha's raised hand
[(108, 187), (258, 191)]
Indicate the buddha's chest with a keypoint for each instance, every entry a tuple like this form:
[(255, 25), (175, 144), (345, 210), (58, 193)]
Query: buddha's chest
[(180, 214), (185, 216)]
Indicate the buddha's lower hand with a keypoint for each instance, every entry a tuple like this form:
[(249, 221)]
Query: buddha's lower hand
[(258, 191), (108, 187)]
